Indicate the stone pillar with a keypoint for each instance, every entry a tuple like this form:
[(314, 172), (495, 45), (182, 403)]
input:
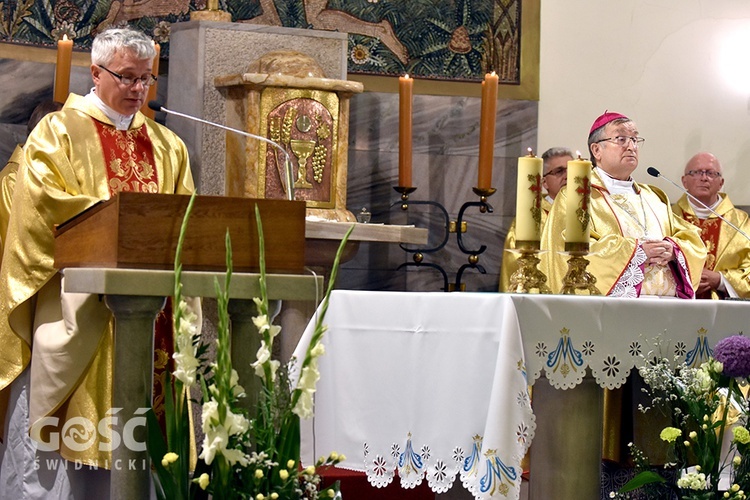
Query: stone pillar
[(133, 383), (566, 453)]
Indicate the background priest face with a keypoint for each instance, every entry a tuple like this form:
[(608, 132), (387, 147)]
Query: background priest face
[(121, 69), (616, 152), (555, 172), (703, 177)]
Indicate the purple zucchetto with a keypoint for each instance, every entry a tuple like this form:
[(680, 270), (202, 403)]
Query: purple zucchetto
[(605, 119), (734, 353)]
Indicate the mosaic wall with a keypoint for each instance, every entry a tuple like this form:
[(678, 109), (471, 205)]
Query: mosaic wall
[(441, 39)]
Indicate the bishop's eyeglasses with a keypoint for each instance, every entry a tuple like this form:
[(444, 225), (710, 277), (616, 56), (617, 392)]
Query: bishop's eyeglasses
[(129, 81), (622, 140)]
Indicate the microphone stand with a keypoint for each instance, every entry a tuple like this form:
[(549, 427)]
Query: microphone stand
[(655, 173), (287, 160)]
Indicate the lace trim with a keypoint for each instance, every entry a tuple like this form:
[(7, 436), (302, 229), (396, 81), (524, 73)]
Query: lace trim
[(482, 472), (632, 277)]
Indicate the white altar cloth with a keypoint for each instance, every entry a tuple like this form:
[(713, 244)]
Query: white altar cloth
[(430, 384), (409, 379), (563, 335)]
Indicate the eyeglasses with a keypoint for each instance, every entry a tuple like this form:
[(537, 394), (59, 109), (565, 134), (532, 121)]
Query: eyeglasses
[(129, 81), (711, 174), (622, 140), (557, 172)]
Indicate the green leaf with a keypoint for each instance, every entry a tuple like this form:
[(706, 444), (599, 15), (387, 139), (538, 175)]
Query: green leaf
[(289, 439), (157, 448), (642, 479)]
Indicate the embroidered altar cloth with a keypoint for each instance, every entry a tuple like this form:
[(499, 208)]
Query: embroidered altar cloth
[(430, 384), (434, 384)]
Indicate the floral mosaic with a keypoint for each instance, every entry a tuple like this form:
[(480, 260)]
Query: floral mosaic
[(441, 39)]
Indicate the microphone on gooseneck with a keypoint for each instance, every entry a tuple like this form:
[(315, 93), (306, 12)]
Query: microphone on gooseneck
[(655, 173), (157, 106)]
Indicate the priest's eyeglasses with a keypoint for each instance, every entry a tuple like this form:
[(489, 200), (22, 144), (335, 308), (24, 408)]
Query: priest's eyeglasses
[(622, 140), (129, 81), (711, 174), (557, 172)]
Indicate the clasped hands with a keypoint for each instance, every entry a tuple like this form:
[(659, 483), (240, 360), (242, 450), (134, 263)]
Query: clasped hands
[(658, 253)]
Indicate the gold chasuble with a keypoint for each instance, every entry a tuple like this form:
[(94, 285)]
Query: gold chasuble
[(73, 159), (728, 250), (619, 223), (7, 183)]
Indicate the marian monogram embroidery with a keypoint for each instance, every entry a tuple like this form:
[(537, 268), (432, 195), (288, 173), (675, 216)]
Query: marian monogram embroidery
[(129, 159)]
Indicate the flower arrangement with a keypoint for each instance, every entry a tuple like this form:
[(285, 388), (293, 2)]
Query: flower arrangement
[(707, 406), (242, 456)]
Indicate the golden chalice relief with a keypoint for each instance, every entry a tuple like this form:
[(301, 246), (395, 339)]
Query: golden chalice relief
[(306, 128)]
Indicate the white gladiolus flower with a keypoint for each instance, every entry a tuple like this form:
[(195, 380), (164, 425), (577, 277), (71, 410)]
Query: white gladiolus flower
[(318, 350), (304, 406), (237, 390), (236, 424), (214, 442), (261, 323), (235, 456), (209, 414), (263, 356), (217, 434), (309, 377), (185, 361)]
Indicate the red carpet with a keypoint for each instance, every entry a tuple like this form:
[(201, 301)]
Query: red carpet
[(354, 486)]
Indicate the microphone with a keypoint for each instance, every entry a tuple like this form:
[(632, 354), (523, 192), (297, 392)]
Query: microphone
[(288, 189), (655, 173)]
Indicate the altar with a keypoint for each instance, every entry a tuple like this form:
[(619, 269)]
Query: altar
[(433, 385)]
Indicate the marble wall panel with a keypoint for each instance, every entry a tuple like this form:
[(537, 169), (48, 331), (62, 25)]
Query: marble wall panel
[(25, 84), (445, 169)]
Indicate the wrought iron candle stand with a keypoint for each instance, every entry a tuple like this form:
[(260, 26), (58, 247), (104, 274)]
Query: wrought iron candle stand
[(458, 226), (578, 281)]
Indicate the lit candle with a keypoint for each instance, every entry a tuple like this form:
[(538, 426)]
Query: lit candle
[(487, 130), (62, 69), (152, 89), (577, 228), (529, 198), (405, 86)]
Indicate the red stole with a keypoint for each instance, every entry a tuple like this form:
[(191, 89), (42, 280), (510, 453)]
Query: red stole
[(710, 232), (129, 160)]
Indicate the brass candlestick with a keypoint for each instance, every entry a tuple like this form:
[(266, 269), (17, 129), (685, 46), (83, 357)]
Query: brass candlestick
[(577, 280), (528, 278), (404, 191), (483, 195)]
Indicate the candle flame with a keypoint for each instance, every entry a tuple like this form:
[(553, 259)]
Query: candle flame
[(65, 37), (493, 73), (531, 151), (578, 154), (406, 76)]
